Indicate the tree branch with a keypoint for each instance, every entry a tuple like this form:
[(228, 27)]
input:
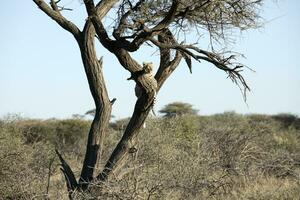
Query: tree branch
[(224, 63), (122, 23), (146, 34), (103, 7), (121, 42), (68, 173), (169, 17), (95, 15), (166, 66), (53, 5), (54, 14), (121, 53)]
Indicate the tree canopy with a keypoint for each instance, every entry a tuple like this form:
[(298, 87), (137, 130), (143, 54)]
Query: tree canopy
[(215, 16)]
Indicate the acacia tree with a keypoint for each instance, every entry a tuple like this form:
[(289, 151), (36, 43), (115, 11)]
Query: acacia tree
[(160, 24), (178, 109)]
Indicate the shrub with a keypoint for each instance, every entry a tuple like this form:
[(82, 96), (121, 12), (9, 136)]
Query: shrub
[(285, 119), (23, 168), (66, 135)]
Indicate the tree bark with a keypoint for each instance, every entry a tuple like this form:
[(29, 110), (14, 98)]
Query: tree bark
[(93, 70), (128, 140)]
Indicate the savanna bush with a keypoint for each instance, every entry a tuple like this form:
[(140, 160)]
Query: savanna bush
[(223, 156), (23, 168), (66, 135), (215, 157)]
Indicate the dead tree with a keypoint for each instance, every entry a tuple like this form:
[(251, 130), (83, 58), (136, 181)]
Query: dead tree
[(159, 23)]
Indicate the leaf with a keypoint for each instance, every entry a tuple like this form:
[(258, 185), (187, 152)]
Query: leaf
[(188, 61)]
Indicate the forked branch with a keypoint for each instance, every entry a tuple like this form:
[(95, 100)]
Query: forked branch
[(147, 33), (54, 13)]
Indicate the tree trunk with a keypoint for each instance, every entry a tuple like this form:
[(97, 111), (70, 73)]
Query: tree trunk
[(93, 70), (128, 140)]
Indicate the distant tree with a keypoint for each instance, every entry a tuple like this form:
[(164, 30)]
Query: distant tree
[(178, 109), (77, 116), (120, 124), (91, 112), (285, 119), (163, 25)]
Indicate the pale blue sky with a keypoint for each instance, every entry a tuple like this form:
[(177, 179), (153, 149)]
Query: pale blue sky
[(41, 75)]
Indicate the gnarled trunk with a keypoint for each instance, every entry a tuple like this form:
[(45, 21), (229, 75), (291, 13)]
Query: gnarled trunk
[(128, 140), (93, 70)]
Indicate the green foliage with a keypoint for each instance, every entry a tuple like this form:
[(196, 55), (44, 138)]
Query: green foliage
[(178, 109)]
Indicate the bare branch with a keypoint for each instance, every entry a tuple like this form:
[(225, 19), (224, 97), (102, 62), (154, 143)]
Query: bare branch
[(169, 17), (54, 13), (96, 13), (166, 66), (53, 5), (149, 33), (90, 7), (101, 9), (123, 21), (68, 173), (104, 6), (139, 37), (226, 64), (58, 8)]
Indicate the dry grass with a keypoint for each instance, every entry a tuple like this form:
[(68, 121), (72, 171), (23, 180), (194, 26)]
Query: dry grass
[(224, 156)]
